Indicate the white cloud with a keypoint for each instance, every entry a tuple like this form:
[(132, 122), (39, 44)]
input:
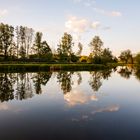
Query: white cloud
[(106, 28), (95, 25), (3, 12), (77, 25), (116, 14), (77, 1), (80, 25), (108, 13), (86, 3)]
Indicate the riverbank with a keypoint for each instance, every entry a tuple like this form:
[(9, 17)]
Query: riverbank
[(54, 67)]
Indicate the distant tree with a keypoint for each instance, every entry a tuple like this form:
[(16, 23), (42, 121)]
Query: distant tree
[(80, 46), (38, 44), (107, 56), (45, 51), (29, 32), (65, 47), (22, 37), (41, 48), (96, 46), (12, 51), (126, 56), (6, 38), (137, 58), (17, 31)]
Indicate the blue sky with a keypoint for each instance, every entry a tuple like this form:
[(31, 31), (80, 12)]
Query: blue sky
[(115, 21)]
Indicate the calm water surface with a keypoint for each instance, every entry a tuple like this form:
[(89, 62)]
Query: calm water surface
[(97, 105)]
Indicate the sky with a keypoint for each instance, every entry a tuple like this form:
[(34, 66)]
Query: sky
[(115, 21)]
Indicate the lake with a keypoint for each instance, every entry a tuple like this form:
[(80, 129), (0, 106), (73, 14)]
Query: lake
[(88, 105)]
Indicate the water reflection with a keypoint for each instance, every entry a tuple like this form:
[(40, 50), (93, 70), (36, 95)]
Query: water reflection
[(82, 105), (64, 79), (22, 86), (6, 87), (97, 77), (76, 96), (125, 72), (41, 78)]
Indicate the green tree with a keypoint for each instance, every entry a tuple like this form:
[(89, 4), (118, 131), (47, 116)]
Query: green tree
[(107, 56), (45, 51), (126, 56), (137, 58), (65, 47), (80, 46), (6, 38), (22, 37), (96, 46), (38, 44)]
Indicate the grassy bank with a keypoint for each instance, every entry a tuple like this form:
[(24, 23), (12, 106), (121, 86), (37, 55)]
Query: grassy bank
[(53, 67)]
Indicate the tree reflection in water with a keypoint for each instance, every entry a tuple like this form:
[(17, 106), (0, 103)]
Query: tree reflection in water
[(41, 78), (64, 79), (6, 87), (24, 87), (126, 72), (21, 86), (96, 78)]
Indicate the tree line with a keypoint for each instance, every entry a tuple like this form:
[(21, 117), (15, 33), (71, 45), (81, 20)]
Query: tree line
[(24, 44)]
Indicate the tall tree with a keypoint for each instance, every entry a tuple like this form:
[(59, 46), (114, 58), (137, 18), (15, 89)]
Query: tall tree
[(22, 36), (96, 46), (80, 46), (38, 44), (6, 38), (65, 46), (29, 32)]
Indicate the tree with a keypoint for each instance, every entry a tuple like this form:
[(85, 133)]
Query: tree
[(137, 58), (41, 48), (38, 44), (80, 46), (65, 47), (96, 46), (45, 51), (107, 56), (29, 32), (22, 37), (6, 38), (126, 56), (12, 50)]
